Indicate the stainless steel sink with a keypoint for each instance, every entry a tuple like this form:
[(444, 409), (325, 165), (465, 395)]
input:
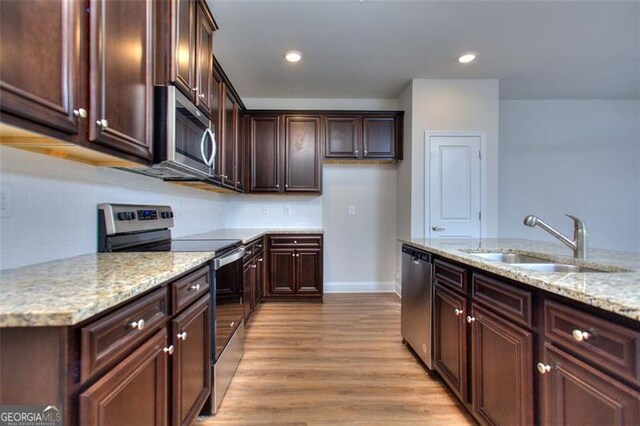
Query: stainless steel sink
[(556, 267), (510, 258)]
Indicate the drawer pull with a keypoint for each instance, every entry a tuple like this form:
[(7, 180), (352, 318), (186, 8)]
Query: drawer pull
[(137, 325), (248, 253), (232, 323), (470, 319), (295, 242), (543, 368), (259, 246), (254, 266), (458, 311), (182, 336), (580, 335), (260, 260), (195, 287), (168, 350)]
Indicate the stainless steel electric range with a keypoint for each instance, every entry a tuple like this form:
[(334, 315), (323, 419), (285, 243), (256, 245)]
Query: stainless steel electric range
[(145, 228)]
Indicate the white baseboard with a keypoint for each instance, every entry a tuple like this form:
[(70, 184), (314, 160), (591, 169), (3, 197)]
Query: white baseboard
[(360, 287), (398, 289)]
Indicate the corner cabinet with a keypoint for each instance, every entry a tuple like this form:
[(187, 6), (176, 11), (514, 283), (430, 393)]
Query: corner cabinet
[(285, 154), (295, 264)]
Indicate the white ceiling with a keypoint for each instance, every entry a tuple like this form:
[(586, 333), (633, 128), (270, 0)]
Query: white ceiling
[(538, 50)]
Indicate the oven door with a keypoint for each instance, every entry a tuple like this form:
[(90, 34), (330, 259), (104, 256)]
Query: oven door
[(191, 139)]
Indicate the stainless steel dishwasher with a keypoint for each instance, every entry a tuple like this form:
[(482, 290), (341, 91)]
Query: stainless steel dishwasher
[(417, 302)]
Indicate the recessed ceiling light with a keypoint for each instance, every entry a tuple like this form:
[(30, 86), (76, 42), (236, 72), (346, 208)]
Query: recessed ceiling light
[(293, 55), (466, 58)]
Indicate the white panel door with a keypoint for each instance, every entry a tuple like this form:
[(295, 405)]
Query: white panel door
[(454, 187)]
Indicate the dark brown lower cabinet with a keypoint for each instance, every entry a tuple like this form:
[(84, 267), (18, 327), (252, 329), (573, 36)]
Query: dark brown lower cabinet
[(133, 393), (450, 339), (282, 271), (308, 271), (191, 363), (259, 288), (575, 393), (501, 370)]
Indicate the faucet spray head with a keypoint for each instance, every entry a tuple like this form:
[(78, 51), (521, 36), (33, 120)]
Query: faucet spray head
[(530, 220)]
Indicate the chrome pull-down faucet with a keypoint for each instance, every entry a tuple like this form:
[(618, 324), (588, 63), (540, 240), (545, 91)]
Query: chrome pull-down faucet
[(579, 242)]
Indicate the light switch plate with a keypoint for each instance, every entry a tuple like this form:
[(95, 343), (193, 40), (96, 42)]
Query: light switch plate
[(6, 198), (265, 210), (287, 210), (352, 210)]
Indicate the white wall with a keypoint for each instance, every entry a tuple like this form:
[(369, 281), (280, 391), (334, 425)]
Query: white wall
[(359, 249), (574, 156), (453, 105), (54, 205), (268, 211)]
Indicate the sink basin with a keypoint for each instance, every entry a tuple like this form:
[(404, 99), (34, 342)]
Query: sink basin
[(555, 267), (510, 258)]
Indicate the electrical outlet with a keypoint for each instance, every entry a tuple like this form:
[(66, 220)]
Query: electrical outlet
[(352, 210), (287, 210), (265, 210), (6, 196)]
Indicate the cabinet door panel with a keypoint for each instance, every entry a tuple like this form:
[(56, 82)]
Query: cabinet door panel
[(230, 138), (39, 71), (204, 60), (379, 137), (303, 170), (282, 268), (450, 340), (121, 89), (309, 271), (343, 138), (502, 370), (191, 361), (135, 392), (184, 49), (577, 394), (264, 135)]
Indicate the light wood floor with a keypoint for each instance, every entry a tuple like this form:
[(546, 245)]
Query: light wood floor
[(338, 362)]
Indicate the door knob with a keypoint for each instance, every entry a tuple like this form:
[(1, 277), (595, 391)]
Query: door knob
[(80, 112), (470, 319), (182, 335), (102, 123), (437, 228), (543, 368), (458, 312), (168, 350)]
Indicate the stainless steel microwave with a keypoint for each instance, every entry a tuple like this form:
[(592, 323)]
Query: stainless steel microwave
[(184, 139)]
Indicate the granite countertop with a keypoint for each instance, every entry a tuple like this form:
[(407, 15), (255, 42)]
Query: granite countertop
[(249, 234), (617, 291), (68, 291)]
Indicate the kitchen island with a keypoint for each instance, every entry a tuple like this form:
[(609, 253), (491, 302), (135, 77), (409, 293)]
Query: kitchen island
[(518, 345)]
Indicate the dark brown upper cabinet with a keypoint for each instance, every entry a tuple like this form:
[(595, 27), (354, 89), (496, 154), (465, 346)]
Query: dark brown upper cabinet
[(41, 43), (264, 155), (363, 136), (285, 148), (121, 66), (343, 136), (192, 60), (302, 155)]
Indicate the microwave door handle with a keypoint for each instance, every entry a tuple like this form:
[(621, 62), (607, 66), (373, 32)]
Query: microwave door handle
[(202, 153), (214, 150)]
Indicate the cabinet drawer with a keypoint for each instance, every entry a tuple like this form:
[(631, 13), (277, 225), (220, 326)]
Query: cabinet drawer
[(188, 289), (293, 241), (108, 338), (452, 276), (507, 300), (611, 346)]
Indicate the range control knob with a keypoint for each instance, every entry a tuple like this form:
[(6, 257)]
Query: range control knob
[(131, 215), (121, 216)]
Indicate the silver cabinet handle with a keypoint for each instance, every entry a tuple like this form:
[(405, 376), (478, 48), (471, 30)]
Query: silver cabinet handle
[(195, 89), (259, 246), (195, 287), (182, 336), (277, 186), (238, 183), (356, 152), (580, 335), (80, 112), (202, 96), (254, 266), (366, 152), (470, 319), (168, 350), (543, 368), (297, 254), (295, 241), (102, 123), (260, 260), (137, 325), (437, 228), (248, 253), (286, 185), (293, 255), (458, 311), (232, 323)]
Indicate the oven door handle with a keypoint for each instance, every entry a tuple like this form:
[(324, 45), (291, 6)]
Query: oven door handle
[(230, 258)]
